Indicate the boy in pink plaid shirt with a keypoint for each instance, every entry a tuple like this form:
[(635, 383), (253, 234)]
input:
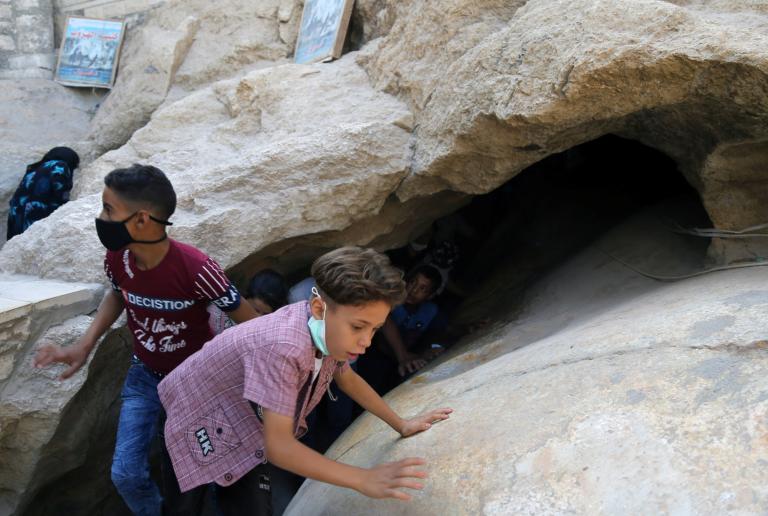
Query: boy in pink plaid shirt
[(245, 396)]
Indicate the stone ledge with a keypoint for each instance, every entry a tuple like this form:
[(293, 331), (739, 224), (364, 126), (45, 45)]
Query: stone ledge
[(20, 295)]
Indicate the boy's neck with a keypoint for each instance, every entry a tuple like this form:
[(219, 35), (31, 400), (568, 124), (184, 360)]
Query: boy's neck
[(411, 307), (149, 256)]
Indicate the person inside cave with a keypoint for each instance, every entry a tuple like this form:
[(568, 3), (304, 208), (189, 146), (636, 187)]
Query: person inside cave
[(407, 340), (266, 292)]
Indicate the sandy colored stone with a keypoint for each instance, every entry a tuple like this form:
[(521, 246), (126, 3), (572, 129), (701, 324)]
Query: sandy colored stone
[(36, 115), (190, 44), (267, 158), (608, 394), (498, 86), (32, 402), (149, 61)]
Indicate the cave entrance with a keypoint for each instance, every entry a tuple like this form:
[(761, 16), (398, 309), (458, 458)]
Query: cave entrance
[(510, 238)]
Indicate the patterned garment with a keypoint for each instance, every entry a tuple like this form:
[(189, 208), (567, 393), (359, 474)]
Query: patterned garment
[(213, 433), (167, 306), (41, 191)]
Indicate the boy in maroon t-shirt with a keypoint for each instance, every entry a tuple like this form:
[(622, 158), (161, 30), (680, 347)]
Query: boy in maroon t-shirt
[(165, 287)]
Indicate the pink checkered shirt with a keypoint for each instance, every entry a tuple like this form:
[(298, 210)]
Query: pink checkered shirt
[(212, 432)]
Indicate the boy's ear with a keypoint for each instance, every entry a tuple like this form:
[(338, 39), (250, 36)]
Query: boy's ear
[(316, 306), (141, 218)]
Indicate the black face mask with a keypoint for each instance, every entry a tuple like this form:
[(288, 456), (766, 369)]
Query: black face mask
[(114, 235)]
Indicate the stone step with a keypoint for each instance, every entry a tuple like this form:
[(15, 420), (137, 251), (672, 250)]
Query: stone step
[(20, 295), (29, 306)]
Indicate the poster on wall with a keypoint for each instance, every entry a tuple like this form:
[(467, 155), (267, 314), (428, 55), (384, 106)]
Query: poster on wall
[(89, 52), (323, 29)]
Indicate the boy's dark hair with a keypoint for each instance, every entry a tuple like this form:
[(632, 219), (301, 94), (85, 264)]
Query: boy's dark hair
[(428, 271), (145, 185), (270, 287), (355, 276)]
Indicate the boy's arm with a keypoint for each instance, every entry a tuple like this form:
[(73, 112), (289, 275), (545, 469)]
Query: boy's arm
[(76, 355), (382, 481), (407, 362), (243, 312), (364, 395)]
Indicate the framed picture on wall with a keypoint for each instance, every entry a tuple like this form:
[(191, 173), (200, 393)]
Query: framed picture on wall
[(323, 29), (89, 53)]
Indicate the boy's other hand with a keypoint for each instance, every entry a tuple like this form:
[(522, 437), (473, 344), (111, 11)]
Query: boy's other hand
[(424, 421), (410, 364), (387, 480), (74, 356)]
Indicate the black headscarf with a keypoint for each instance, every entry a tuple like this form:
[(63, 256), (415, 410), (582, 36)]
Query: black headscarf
[(64, 154)]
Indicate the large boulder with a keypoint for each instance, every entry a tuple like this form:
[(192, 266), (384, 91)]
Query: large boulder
[(441, 103), (609, 393), (187, 44), (497, 86), (36, 115), (281, 153), (492, 88), (35, 408)]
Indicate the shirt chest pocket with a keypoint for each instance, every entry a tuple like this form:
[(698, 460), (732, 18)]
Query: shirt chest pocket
[(212, 437)]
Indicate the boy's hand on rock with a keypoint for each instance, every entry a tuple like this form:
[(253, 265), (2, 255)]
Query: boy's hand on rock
[(411, 364), (424, 421), (386, 480), (73, 356)]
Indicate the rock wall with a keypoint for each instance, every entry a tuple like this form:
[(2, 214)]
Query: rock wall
[(185, 45), (26, 39), (276, 162), (608, 393), (488, 90), (35, 116), (33, 405), (511, 86)]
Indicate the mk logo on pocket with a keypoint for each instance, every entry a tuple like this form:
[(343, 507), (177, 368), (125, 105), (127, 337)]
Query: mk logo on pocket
[(204, 441)]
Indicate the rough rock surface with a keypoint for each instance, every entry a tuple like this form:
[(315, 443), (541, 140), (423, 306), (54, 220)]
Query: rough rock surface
[(33, 405), (609, 394), (496, 86), (142, 84), (447, 101), (267, 156), (186, 45), (36, 115), (493, 88)]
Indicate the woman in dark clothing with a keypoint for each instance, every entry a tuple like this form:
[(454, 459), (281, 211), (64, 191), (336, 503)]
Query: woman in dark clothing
[(44, 187)]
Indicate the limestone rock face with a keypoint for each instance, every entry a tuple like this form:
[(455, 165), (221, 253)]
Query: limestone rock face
[(498, 86), (492, 89), (36, 115), (33, 404), (284, 152), (610, 394), (151, 58), (187, 45), (592, 402)]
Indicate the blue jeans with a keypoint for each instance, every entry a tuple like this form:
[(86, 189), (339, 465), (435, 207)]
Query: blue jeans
[(137, 429)]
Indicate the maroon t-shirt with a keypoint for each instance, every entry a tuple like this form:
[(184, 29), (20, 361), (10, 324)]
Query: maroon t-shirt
[(167, 305)]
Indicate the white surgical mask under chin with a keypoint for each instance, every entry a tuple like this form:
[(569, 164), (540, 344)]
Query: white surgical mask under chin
[(317, 328)]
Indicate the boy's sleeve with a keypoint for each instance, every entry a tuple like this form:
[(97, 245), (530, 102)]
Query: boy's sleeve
[(272, 379), (108, 271), (342, 367), (212, 284)]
